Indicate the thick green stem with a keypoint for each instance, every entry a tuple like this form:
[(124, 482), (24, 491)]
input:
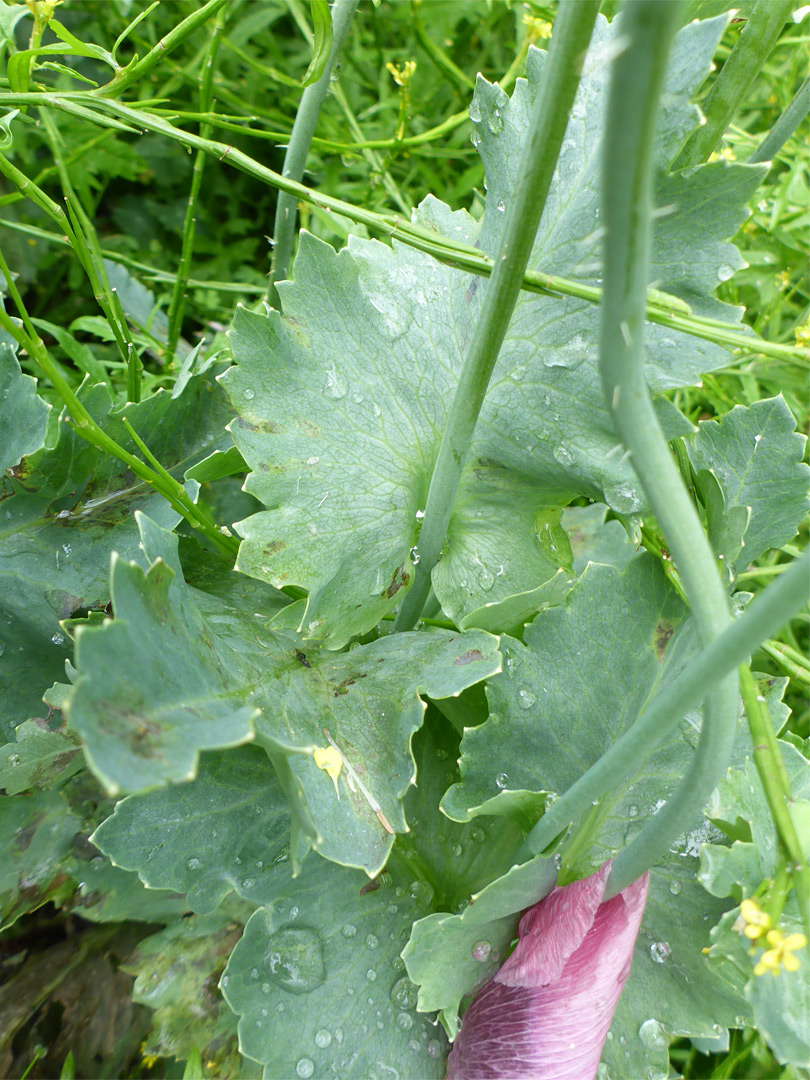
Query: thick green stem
[(766, 613), (674, 314), (572, 32), (784, 126), (295, 159), (635, 90), (745, 61), (177, 302)]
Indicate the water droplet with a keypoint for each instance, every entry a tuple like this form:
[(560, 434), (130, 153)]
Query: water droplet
[(475, 139), (294, 956), (58, 639), (434, 1048), (323, 1038), (481, 950), (404, 1022), (405, 994), (563, 455), (248, 394), (486, 579), (414, 556), (420, 514), (495, 122), (334, 387), (265, 988), (194, 864), (475, 110), (248, 883), (223, 982), (371, 975), (14, 759), (312, 528), (357, 398), (501, 780), (659, 951), (501, 206), (653, 1035), (476, 835), (675, 887), (526, 699), (392, 909), (725, 272), (305, 1068), (313, 460), (372, 942), (349, 930), (632, 811), (458, 850)]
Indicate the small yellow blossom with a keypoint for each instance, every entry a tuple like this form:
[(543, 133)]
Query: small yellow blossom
[(726, 154), (783, 280), (402, 76), (803, 336), (537, 29), (754, 922), (780, 954)]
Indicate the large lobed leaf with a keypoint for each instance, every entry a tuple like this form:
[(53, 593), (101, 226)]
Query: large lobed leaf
[(179, 671), (342, 399)]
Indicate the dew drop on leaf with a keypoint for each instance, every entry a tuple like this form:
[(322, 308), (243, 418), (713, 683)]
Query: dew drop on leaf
[(305, 1068), (653, 1035), (675, 887), (404, 1022), (526, 699), (323, 1038), (501, 780), (14, 759), (434, 1048), (481, 950), (458, 850), (194, 864), (659, 951), (404, 993), (371, 975), (372, 942), (632, 810), (293, 960), (248, 394), (475, 110), (725, 272), (334, 387), (501, 206), (58, 639)]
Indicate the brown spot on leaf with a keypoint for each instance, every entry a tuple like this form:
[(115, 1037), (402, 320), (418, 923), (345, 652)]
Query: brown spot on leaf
[(399, 580), (663, 632), (274, 547), (469, 657), (301, 657), (22, 841)]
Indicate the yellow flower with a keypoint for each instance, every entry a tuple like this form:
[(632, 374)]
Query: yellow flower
[(537, 29), (754, 921), (803, 335), (402, 76), (783, 279), (780, 955)]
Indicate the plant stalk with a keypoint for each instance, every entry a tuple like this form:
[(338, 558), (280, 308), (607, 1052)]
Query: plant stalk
[(758, 37), (635, 90), (300, 140), (572, 32), (784, 127)]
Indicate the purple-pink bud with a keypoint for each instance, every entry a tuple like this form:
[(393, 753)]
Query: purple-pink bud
[(546, 1013)]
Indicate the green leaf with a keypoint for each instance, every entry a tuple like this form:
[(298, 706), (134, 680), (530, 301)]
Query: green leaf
[(595, 540), (672, 990), (40, 757), (451, 956), (322, 44), (342, 399), (107, 894), (754, 454), (66, 509), (318, 982), (177, 971), (36, 831), (222, 832), (581, 679), (24, 415), (180, 670)]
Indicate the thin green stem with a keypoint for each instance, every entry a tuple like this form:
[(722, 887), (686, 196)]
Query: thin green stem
[(635, 89), (758, 37), (767, 612), (674, 315), (786, 662), (172, 490), (296, 156), (776, 785), (131, 74), (784, 127), (569, 43), (177, 302), (439, 57)]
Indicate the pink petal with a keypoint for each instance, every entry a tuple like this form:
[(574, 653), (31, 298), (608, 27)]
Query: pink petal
[(534, 1025)]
